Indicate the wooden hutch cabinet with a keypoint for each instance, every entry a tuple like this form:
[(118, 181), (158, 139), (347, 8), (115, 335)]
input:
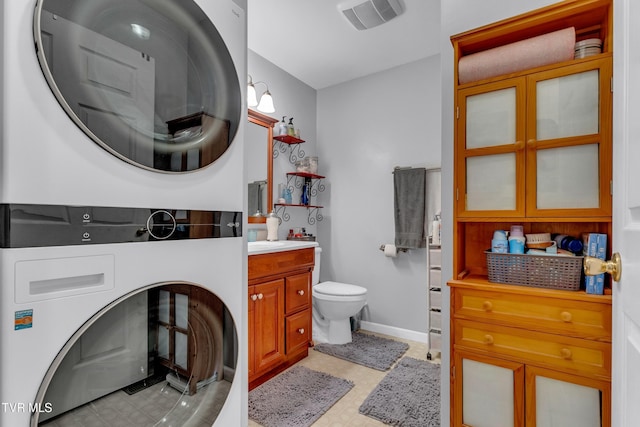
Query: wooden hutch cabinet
[(532, 148)]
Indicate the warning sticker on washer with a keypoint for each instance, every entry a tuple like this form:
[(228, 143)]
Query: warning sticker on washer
[(23, 319)]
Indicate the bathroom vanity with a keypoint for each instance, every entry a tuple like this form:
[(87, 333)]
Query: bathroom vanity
[(279, 306)]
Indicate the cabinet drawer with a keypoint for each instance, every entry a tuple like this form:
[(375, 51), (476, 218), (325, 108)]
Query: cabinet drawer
[(435, 258), (546, 350), (297, 292), (298, 327), (435, 341), (278, 263), (435, 320), (435, 278), (554, 315), (435, 299)]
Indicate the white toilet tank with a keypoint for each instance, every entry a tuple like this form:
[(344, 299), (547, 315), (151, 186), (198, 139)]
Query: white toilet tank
[(315, 275)]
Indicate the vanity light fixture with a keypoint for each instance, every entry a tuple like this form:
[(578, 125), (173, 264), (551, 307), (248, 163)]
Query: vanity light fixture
[(266, 100)]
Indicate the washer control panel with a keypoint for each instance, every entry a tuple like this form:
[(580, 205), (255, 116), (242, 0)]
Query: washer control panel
[(57, 225)]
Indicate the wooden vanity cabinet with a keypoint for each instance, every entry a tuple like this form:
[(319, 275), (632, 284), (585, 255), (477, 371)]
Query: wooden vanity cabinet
[(526, 356), (279, 311)]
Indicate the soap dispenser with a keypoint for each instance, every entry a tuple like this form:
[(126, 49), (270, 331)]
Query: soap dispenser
[(291, 131), (280, 128), (272, 226)]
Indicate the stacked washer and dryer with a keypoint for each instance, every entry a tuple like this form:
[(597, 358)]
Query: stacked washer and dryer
[(121, 198)]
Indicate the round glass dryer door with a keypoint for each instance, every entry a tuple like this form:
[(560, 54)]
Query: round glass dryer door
[(151, 81)]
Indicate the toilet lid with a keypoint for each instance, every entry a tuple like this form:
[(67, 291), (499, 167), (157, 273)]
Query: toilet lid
[(336, 288)]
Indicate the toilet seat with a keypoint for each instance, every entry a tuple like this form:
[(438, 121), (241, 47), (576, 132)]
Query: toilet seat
[(335, 291)]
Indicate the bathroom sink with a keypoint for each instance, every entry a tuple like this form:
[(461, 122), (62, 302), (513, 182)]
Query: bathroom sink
[(264, 246)]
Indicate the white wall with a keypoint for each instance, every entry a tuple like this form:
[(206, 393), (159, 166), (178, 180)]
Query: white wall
[(292, 98), (458, 16), (366, 127)]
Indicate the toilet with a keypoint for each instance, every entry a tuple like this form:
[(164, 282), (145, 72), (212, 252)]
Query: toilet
[(333, 305)]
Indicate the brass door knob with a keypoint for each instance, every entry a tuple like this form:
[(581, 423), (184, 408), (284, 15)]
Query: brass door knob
[(593, 266)]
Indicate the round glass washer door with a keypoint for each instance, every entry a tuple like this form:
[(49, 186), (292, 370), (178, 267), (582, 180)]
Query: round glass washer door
[(150, 81)]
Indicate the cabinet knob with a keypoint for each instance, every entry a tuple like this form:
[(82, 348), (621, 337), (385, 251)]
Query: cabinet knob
[(565, 353), (254, 297), (260, 296), (487, 306), (566, 316), (488, 339), (300, 292), (301, 331)]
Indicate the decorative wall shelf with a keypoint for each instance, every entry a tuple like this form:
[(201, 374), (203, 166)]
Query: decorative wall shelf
[(287, 142), (313, 212), (315, 181)]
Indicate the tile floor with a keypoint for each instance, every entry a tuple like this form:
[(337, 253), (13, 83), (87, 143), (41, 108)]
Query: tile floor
[(345, 412)]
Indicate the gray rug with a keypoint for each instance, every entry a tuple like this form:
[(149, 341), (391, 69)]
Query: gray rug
[(295, 398), (408, 396), (367, 350)]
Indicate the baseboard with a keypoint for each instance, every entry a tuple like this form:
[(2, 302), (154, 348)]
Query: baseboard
[(394, 332)]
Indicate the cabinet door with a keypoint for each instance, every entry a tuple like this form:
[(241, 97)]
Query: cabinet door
[(556, 399), (569, 140), (490, 149), (269, 324), (487, 392)]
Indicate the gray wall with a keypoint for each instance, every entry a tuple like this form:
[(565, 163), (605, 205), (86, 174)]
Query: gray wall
[(458, 16), (366, 127), (291, 98)]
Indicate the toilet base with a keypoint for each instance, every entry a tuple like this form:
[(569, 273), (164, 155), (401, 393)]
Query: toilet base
[(332, 331)]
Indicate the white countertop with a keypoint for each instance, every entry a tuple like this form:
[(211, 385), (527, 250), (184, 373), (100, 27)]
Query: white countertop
[(263, 246)]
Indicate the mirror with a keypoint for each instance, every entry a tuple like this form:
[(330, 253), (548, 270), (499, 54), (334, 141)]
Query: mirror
[(259, 166)]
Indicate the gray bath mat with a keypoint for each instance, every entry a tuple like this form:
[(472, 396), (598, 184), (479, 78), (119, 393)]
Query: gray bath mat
[(408, 396), (367, 350), (295, 398)]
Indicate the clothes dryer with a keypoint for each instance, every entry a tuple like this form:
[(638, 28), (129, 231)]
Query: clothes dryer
[(123, 103)]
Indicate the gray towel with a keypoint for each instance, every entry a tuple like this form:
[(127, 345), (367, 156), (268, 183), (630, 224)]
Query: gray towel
[(409, 207)]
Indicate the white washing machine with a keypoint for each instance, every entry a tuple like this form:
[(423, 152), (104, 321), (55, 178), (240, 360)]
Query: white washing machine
[(121, 171)]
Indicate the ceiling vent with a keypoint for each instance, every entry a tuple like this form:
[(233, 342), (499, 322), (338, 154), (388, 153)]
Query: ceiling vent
[(371, 13)]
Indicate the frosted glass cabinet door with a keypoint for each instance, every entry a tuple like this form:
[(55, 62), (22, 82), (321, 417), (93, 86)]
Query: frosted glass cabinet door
[(569, 142), (563, 404), (491, 118), (568, 106), (559, 399), (488, 394), (491, 182), (490, 147), (568, 177)]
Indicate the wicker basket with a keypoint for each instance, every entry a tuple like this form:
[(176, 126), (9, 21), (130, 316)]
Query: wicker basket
[(541, 271)]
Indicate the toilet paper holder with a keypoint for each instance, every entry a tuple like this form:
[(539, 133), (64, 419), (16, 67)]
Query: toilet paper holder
[(399, 249)]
